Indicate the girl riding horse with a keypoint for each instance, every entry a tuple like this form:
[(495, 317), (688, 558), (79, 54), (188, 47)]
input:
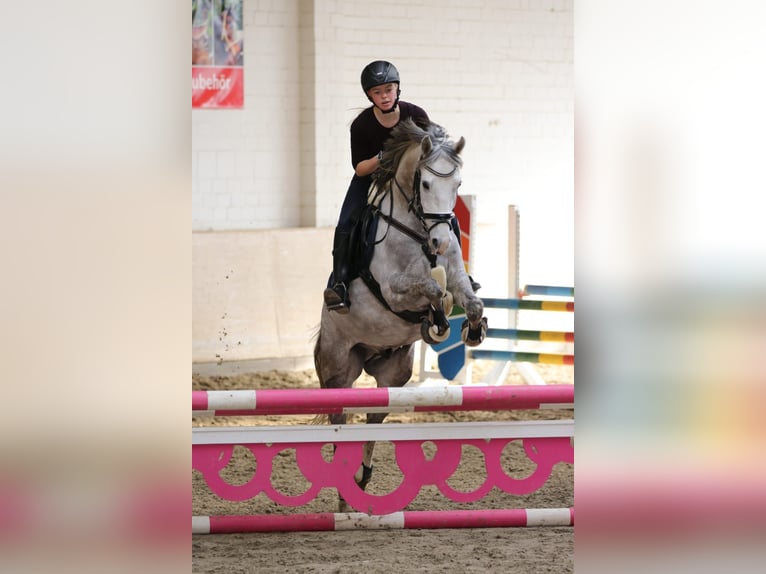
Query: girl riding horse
[(369, 132)]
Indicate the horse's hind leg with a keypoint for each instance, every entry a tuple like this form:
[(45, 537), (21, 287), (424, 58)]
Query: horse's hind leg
[(392, 369), (338, 371), (341, 374)]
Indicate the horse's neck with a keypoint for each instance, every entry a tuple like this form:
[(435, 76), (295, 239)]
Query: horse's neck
[(394, 204), (401, 195)]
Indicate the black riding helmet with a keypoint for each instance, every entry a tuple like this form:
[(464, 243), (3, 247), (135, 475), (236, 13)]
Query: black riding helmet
[(378, 73)]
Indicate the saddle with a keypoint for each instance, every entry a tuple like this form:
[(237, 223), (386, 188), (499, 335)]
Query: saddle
[(361, 244)]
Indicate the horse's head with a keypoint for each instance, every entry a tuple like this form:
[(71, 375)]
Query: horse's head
[(435, 184), (423, 167)]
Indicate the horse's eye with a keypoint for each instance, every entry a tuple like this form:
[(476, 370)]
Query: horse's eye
[(426, 185)]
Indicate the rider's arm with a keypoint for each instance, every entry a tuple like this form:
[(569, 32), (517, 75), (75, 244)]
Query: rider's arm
[(367, 166)]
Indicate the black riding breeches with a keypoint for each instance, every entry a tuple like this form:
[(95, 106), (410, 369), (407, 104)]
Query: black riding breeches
[(355, 201)]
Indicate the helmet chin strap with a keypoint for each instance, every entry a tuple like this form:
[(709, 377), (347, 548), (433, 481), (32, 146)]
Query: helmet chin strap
[(392, 110)]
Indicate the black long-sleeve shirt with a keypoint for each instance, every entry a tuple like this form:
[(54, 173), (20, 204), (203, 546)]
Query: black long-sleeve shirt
[(368, 136)]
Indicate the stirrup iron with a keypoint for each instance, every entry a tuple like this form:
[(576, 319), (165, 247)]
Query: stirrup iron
[(336, 298)]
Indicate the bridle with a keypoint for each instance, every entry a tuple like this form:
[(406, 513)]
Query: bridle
[(415, 206)]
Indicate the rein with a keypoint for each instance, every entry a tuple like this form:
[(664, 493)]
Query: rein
[(418, 237)]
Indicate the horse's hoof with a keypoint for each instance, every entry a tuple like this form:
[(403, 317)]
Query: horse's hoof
[(430, 333), (473, 337), (434, 333), (425, 332)]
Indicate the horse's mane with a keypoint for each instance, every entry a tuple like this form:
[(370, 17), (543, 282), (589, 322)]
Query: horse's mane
[(406, 134)]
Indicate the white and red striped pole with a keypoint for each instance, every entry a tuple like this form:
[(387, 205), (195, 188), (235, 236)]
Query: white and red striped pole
[(329, 401), (493, 518)]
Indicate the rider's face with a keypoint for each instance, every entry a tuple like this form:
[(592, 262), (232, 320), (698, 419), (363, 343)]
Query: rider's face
[(384, 95)]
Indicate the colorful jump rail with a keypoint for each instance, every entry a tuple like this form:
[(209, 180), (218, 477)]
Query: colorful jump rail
[(544, 443), (529, 305), (452, 353), (548, 290), (495, 518), (521, 357), (546, 336), (332, 401), (530, 335)]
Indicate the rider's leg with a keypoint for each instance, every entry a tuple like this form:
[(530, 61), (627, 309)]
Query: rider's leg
[(456, 229), (336, 297)]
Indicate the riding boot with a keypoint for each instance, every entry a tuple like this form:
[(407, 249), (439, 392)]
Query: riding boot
[(336, 297), (456, 229)]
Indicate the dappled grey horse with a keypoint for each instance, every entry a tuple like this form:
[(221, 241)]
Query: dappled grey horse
[(416, 273)]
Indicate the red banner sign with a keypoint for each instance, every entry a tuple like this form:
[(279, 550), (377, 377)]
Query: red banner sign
[(217, 59), (217, 87)]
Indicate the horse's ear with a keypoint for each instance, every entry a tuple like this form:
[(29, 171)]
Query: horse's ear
[(460, 145), (426, 145)]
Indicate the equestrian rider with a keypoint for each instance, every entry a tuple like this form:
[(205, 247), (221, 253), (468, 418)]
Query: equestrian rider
[(369, 131)]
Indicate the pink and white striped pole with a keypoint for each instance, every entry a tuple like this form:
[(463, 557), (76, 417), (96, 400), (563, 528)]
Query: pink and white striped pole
[(329, 401), (497, 518)]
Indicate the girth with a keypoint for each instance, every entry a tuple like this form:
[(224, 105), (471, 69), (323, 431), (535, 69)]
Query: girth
[(374, 287)]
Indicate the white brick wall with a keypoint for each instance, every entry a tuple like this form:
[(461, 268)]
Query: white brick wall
[(257, 294), (499, 72), (247, 160)]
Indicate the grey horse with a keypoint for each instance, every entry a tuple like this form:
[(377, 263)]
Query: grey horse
[(415, 275)]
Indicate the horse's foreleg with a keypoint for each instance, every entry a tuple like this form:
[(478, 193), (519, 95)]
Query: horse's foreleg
[(407, 291), (404, 291), (474, 328)]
